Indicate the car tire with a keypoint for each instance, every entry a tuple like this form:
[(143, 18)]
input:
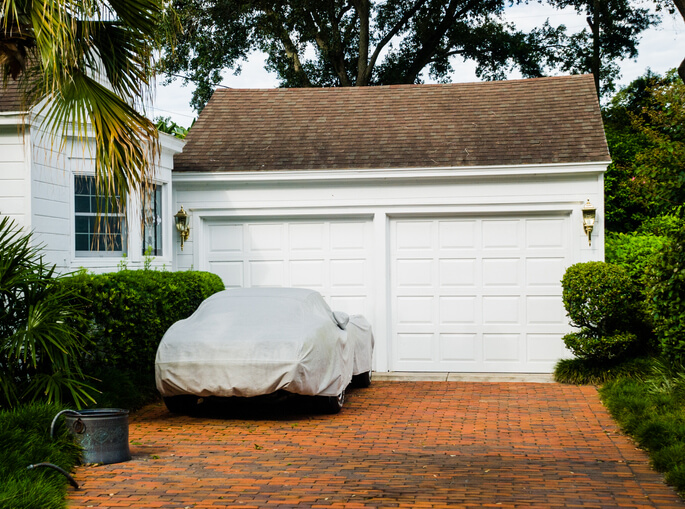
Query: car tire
[(184, 404), (362, 380), (332, 404)]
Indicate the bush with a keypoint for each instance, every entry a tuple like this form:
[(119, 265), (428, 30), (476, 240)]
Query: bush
[(130, 311), (40, 345), (604, 302), (635, 252), (666, 301)]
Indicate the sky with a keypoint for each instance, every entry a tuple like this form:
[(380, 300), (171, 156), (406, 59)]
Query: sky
[(660, 49)]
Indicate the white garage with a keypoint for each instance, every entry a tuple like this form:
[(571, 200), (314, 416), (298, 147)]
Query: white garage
[(446, 214)]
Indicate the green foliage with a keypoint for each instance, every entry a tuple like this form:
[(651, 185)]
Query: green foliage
[(589, 372), (25, 440), (666, 294), (130, 311), (635, 252), (587, 345), (630, 198), (652, 411), (604, 302), (310, 43), (40, 345), (168, 126)]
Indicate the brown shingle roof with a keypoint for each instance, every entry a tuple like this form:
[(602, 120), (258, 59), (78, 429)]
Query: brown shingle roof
[(538, 121), (10, 97)]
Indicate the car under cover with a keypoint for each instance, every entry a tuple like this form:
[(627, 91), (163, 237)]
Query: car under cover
[(256, 341)]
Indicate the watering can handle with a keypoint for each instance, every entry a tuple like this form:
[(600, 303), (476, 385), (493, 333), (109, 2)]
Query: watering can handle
[(54, 421)]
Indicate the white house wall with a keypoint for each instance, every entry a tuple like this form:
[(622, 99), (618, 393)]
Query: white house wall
[(385, 196), (15, 161)]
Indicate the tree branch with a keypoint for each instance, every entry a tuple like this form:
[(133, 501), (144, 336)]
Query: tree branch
[(392, 33)]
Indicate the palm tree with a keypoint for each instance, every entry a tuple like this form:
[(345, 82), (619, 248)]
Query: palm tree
[(58, 51)]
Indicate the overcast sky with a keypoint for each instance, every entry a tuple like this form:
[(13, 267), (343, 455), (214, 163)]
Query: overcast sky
[(660, 49)]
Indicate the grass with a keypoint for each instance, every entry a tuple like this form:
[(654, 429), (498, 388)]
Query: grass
[(583, 372), (25, 440), (646, 397)]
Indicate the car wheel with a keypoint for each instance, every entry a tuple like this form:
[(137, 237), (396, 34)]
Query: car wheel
[(362, 380), (332, 404), (184, 404)]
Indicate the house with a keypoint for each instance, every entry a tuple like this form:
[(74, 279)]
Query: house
[(446, 214), (48, 188)]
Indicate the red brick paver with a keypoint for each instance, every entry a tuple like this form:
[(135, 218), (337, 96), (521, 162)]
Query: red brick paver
[(396, 444)]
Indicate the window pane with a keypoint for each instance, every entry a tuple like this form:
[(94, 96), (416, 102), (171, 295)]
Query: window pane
[(93, 234), (152, 222)]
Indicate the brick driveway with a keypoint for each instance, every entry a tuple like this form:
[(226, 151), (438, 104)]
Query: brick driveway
[(396, 444)]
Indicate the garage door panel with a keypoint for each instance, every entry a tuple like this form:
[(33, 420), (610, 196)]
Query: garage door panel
[(544, 309), (544, 348), (266, 273), (415, 310), (345, 236), (265, 238), (415, 273), (501, 309), (461, 272), (545, 233), (545, 271), (226, 238), (307, 237), (502, 347), (232, 273), (502, 272), (349, 273), (415, 347), (457, 234), (350, 304), (307, 274), (415, 235), (501, 234), (462, 347), (458, 309)]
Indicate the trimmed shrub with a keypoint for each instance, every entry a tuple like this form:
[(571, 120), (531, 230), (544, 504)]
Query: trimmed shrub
[(605, 303), (129, 312), (666, 301)]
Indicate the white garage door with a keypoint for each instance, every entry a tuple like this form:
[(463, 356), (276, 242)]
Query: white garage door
[(330, 256), (478, 294)]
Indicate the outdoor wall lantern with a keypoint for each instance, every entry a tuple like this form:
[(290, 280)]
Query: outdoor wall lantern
[(588, 220), (181, 220)]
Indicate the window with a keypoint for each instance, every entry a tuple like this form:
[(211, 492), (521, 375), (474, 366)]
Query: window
[(93, 234), (152, 221)]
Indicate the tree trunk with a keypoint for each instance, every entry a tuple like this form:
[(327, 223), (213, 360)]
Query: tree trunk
[(596, 56), (362, 8), (680, 4)]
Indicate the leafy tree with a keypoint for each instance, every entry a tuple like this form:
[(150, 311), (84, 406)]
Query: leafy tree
[(612, 35), (39, 320), (629, 202), (58, 50), (353, 42)]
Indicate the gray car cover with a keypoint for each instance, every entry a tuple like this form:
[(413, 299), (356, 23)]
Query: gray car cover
[(255, 341)]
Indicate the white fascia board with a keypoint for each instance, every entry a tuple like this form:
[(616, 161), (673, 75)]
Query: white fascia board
[(13, 117), (171, 143), (394, 173)]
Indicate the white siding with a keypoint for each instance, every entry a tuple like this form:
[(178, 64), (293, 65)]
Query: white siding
[(14, 174)]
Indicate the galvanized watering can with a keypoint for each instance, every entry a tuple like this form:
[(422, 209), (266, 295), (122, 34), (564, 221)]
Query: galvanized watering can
[(101, 432)]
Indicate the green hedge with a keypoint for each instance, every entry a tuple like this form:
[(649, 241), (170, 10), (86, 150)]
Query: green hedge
[(667, 296), (605, 303), (129, 311), (635, 252)]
